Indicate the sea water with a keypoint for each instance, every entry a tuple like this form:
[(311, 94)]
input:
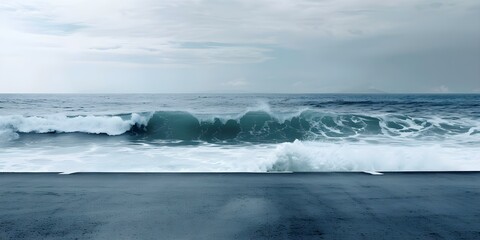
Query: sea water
[(239, 132)]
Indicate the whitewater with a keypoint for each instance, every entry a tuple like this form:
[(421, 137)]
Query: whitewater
[(239, 133)]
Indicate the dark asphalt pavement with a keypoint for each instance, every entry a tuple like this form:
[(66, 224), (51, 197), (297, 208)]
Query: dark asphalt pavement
[(240, 206)]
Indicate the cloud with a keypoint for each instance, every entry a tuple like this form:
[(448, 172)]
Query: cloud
[(441, 89), (245, 31), (325, 45), (239, 82)]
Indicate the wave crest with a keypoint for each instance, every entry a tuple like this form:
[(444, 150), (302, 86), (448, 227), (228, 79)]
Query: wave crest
[(317, 157), (252, 126), (262, 126), (110, 125)]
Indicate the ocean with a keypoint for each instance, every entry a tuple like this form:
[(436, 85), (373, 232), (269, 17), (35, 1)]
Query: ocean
[(239, 132)]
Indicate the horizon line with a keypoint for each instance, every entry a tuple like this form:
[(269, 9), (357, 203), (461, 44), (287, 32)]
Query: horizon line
[(265, 93)]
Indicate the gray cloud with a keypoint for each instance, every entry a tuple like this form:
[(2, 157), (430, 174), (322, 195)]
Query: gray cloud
[(279, 46)]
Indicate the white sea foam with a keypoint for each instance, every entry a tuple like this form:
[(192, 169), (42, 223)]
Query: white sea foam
[(111, 125), (371, 133), (7, 135), (304, 124), (285, 157), (318, 156)]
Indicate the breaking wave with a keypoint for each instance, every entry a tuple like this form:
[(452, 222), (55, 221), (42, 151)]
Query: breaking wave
[(297, 156), (251, 126), (10, 126), (314, 157)]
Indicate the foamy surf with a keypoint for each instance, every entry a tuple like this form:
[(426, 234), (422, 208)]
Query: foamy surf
[(373, 173), (239, 133), (110, 125), (251, 126), (285, 157)]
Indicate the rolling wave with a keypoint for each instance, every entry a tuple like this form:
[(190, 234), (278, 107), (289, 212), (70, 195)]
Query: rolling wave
[(251, 126), (110, 125)]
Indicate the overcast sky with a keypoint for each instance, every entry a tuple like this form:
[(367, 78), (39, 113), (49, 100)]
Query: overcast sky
[(286, 46)]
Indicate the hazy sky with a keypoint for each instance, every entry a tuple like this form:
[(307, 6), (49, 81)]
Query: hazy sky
[(240, 46)]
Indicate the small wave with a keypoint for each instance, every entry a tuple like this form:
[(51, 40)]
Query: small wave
[(110, 125), (8, 135), (431, 103)]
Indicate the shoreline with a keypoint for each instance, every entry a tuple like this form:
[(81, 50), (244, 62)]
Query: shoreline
[(327, 205)]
